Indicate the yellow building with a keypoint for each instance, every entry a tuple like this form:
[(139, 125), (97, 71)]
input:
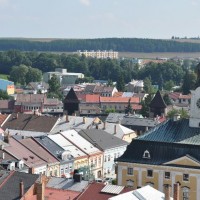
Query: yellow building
[(166, 154)]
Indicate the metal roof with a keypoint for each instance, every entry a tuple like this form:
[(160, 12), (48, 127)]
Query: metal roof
[(173, 131), (112, 189)]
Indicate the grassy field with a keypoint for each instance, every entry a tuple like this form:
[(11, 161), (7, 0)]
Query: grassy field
[(159, 55), (4, 76)]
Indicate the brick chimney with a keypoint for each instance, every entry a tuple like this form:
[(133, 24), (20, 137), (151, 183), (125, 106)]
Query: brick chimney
[(167, 190), (40, 187), (21, 189), (176, 191)]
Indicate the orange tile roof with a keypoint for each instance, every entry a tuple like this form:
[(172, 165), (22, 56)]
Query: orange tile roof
[(118, 94), (184, 96), (92, 98), (119, 99)]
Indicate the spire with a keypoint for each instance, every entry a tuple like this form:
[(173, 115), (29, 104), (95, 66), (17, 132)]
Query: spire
[(157, 101)]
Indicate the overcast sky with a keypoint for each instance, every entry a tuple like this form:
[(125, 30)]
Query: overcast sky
[(159, 19)]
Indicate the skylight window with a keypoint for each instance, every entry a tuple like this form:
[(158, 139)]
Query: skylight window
[(146, 154)]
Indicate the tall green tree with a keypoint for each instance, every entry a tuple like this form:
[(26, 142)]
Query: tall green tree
[(3, 95), (129, 109), (145, 105), (33, 75), (189, 82), (120, 83), (54, 88)]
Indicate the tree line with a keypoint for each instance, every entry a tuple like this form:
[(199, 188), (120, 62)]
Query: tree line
[(28, 66), (116, 44)]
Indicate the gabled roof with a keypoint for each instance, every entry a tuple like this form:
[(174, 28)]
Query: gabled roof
[(30, 122), (157, 101), (108, 89), (103, 139), (71, 97), (94, 192), (98, 89), (160, 153), (173, 131), (83, 144), (30, 98), (67, 145), (9, 190), (22, 153), (49, 144), (33, 146), (39, 85), (89, 88), (7, 104)]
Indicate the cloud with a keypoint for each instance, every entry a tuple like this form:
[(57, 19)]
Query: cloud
[(84, 2)]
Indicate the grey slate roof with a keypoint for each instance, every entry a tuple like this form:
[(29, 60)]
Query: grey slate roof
[(170, 131), (51, 146), (10, 189), (160, 152), (102, 139), (157, 101), (67, 184)]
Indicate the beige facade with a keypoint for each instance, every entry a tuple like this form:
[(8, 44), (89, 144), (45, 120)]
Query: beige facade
[(100, 54), (137, 175)]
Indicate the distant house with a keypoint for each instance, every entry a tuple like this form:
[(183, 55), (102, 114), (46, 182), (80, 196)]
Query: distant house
[(111, 146), (28, 103), (179, 99), (37, 87), (65, 78), (7, 106), (135, 86), (7, 86)]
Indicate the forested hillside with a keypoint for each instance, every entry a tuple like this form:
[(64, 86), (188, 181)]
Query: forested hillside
[(116, 44)]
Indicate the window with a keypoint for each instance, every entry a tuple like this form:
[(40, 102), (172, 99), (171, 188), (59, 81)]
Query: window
[(186, 191), (108, 157), (186, 177), (130, 171), (150, 173), (129, 183), (146, 154), (66, 170), (99, 161), (167, 175), (62, 171), (105, 159)]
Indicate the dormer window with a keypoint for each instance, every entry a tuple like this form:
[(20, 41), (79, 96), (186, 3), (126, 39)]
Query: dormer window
[(146, 154)]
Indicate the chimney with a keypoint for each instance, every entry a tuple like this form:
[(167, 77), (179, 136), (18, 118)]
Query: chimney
[(167, 189), (84, 120), (17, 116), (21, 189), (97, 127), (3, 155), (7, 137), (40, 190), (2, 147), (104, 125), (115, 129), (177, 191), (66, 118)]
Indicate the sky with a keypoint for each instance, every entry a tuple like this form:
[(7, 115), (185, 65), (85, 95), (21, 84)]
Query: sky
[(157, 19)]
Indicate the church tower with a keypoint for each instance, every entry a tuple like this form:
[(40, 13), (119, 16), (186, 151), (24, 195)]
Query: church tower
[(194, 120)]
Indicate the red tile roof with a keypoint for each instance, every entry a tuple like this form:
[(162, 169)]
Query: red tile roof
[(94, 192), (57, 194), (2, 118), (92, 98), (119, 99)]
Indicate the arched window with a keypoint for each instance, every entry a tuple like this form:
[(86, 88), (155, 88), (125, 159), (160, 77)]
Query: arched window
[(185, 192), (146, 154)]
